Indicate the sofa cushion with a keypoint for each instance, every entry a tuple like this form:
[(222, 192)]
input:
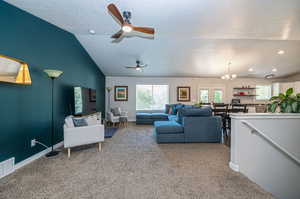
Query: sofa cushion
[(159, 116), (91, 120), (144, 116), (168, 127), (172, 117), (193, 112)]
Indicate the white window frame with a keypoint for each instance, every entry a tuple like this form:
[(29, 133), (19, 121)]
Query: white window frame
[(199, 92), (213, 94), (149, 84), (270, 85), (211, 91)]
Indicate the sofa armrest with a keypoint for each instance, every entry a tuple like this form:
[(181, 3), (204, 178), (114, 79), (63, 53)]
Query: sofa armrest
[(202, 129)]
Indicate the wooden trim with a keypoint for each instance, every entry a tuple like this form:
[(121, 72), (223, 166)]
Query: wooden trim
[(115, 93), (99, 146), (189, 89), (69, 152)]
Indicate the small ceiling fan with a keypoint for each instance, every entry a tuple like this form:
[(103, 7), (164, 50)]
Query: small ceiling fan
[(127, 30), (138, 67)]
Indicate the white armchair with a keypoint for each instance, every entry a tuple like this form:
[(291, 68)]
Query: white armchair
[(114, 119), (77, 136)]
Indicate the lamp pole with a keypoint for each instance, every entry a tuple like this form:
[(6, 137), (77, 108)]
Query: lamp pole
[(52, 74), (52, 153)]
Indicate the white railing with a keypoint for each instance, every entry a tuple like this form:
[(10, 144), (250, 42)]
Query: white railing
[(270, 141)]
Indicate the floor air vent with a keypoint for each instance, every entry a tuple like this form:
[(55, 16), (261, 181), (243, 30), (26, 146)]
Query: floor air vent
[(7, 167)]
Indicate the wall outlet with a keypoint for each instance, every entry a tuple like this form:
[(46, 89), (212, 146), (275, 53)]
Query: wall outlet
[(33, 143)]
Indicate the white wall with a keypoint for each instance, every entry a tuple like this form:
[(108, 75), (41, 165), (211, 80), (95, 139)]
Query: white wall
[(259, 160), (173, 82)]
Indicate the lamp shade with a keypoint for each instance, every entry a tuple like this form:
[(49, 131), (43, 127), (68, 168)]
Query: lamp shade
[(23, 76), (53, 73)]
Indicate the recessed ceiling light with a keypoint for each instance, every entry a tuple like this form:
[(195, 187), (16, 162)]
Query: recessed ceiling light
[(92, 32), (250, 70), (274, 70), (280, 52)]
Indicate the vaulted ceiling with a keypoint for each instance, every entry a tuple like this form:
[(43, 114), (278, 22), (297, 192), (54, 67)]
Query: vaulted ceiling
[(193, 37)]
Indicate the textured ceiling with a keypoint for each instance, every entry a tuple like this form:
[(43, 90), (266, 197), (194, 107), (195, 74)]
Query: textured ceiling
[(193, 37)]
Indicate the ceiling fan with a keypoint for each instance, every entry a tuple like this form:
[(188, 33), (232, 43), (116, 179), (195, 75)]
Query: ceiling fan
[(138, 67), (127, 30)]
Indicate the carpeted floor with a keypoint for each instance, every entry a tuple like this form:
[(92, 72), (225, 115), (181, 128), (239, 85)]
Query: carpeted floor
[(131, 165)]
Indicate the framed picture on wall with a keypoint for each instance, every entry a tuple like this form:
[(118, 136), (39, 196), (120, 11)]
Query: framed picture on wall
[(184, 94), (92, 95), (121, 93)]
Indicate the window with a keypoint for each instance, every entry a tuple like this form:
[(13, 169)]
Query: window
[(204, 97), (218, 96), (152, 97), (263, 92)]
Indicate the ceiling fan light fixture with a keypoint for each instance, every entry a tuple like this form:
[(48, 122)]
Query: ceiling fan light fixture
[(126, 28)]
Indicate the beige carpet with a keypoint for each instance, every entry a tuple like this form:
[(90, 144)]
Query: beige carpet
[(133, 166)]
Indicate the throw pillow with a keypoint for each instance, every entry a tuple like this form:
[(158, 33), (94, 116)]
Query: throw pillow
[(116, 111), (79, 122), (170, 111), (176, 107)]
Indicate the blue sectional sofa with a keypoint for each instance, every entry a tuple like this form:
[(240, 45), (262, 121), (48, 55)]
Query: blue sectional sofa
[(185, 124)]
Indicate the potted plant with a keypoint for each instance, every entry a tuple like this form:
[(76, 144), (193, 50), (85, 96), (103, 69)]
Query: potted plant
[(287, 102), (198, 105)]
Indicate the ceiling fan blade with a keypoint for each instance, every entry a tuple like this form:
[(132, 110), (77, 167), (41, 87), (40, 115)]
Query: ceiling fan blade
[(144, 30), (133, 67), (117, 35), (114, 11), (143, 65), (119, 39)]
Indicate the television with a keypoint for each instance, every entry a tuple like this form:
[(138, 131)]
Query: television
[(84, 101)]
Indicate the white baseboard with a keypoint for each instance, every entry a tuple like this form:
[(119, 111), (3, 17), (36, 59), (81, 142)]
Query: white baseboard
[(234, 167), (37, 156)]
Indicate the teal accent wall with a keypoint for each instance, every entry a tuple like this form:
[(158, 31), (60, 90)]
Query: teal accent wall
[(25, 111)]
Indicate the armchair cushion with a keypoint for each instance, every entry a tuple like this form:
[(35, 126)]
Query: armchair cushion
[(79, 122), (116, 111)]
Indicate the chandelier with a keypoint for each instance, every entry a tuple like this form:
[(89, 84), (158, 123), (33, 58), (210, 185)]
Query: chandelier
[(228, 75)]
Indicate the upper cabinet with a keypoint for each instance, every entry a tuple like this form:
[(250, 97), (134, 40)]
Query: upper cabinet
[(14, 71)]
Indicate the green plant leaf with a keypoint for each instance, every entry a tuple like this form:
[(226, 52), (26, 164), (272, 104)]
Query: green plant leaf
[(295, 107), (281, 96), (273, 107), (274, 98), (289, 92), (288, 109)]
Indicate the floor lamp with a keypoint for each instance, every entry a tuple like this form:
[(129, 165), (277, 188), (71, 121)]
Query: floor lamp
[(53, 74), (108, 98)]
